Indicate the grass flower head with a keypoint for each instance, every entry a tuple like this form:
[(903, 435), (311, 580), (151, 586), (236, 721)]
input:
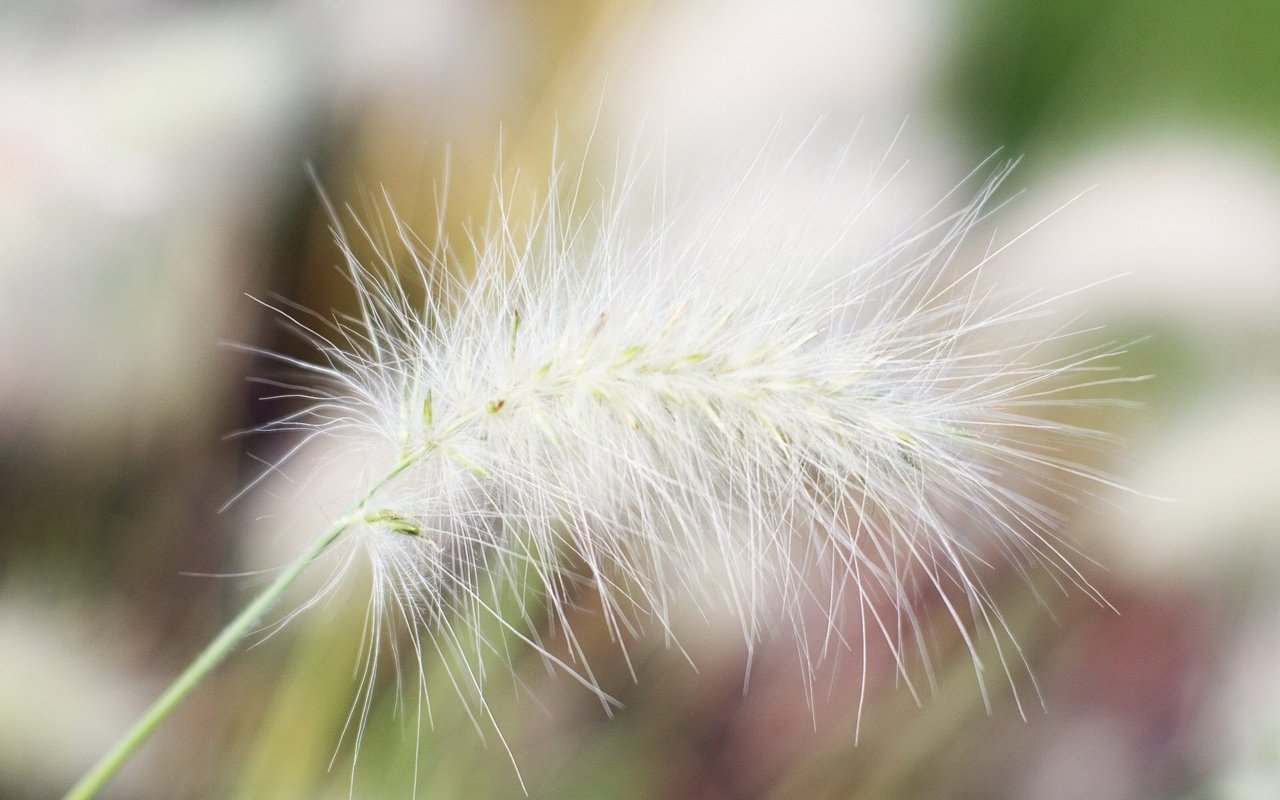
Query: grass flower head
[(645, 406), (693, 404)]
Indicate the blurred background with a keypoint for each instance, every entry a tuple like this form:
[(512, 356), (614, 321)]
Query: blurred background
[(154, 169)]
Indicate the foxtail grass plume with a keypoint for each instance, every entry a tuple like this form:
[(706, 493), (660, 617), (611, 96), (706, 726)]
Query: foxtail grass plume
[(736, 404)]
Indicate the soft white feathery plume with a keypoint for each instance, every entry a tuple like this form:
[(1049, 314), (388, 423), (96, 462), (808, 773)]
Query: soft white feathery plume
[(742, 404), (750, 410)]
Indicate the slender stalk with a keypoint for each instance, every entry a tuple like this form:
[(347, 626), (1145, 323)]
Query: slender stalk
[(107, 766)]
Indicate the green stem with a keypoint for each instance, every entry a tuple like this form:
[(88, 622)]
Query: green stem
[(107, 766)]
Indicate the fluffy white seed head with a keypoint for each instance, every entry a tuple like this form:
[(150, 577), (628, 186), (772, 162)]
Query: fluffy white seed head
[(748, 409)]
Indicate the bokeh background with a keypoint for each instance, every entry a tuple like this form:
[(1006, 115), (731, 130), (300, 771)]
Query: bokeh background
[(154, 165)]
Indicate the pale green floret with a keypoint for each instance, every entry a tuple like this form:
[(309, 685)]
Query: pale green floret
[(464, 462), (393, 521), (629, 355)]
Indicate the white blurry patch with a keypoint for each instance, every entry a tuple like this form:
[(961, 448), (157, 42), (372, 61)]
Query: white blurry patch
[(1192, 219), (703, 78), (130, 166), (421, 54), (64, 703), (1244, 710), (710, 66), (1216, 467)]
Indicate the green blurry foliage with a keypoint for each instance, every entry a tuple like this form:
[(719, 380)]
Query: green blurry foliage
[(1028, 72)]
